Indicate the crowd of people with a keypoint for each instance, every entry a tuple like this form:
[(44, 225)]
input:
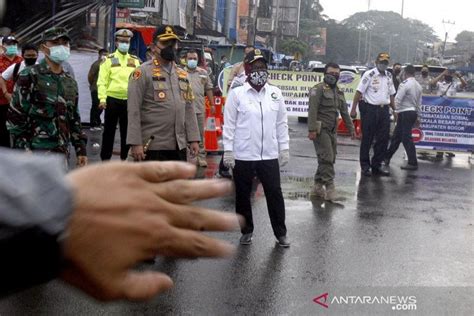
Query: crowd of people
[(159, 108)]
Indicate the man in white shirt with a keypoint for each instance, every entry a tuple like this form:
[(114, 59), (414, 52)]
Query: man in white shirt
[(448, 87), (377, 89), (256, 142), (29, 52), (407, 106)]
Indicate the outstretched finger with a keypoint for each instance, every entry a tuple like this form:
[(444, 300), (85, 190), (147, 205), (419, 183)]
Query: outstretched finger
[(164, 170), (184, 192), (140, 286)]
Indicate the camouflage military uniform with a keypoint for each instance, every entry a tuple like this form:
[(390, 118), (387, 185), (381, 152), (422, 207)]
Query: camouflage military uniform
[(325, 104), (44, 113)]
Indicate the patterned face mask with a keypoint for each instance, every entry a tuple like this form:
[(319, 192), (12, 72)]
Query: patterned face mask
[(258, 78)]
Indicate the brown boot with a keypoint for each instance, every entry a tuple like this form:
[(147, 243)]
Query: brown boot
[(331, 192), (318, 191)]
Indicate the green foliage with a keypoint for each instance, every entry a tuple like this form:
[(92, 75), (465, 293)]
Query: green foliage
[(292, 46)]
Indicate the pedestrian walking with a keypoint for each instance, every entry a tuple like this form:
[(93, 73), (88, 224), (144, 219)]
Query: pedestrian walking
[(92, 77), (407, 108), (256, 143), (160, 104), (377, 89), (112, 86), (326, 101), (43, 116), (202, 86)]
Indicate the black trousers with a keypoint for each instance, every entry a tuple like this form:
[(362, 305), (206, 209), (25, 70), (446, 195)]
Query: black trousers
[(116, 112), (402, 134), (166, 155), (268, 172), (4, 134), (95, 111), (375, 126)]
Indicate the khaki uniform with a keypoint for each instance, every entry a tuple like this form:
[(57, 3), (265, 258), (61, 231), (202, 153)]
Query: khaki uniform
[(236, 70), (160, 104), (200, 83), (325, 104)]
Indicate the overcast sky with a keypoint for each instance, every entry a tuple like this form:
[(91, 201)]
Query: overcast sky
[(431, 12)]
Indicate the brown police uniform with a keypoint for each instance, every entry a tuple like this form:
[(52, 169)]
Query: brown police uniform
[(200, 83), (160, 104)]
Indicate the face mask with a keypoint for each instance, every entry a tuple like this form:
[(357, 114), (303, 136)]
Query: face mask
[(123, 47), (168, 53), (258, 78), (448, 78), (382, 67), (59, 54), (397, 71), (12, 50), (424, 73), (331, 79), (30, 61), (192, 64)]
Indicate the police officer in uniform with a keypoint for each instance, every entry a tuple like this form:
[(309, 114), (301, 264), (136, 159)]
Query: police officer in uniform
[(112, 87), (44, 115), (160, 105), (202, 86), (377, 89), (326, 101)]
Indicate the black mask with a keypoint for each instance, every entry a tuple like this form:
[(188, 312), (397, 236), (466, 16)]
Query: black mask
[(424, 73), (30, 61), (397, 71), (168, 53), (331, 79), (448, 78)]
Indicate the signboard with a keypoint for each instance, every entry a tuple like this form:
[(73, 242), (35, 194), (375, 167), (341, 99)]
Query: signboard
[(131, 3), (295, 86), (151, 6), (447, 124)]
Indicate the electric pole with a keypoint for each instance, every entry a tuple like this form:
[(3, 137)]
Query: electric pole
[(277, 16), (403, 5), (251, 24), (447, 22)]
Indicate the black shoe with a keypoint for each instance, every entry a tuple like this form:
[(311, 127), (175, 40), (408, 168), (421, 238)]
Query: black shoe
[(246, 239), (409, 167), (225, 174), (283, 242), (380, 172), (366, 173)]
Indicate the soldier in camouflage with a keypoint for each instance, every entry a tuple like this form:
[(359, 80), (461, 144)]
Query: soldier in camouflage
[(43, 115), (326, 101)]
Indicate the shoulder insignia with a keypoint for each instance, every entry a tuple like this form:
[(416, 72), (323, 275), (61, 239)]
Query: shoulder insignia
[(371, 73), (313, 92), (137, 74)]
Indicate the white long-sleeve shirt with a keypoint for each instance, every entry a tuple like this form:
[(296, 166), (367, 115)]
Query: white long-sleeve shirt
[(408, 97), (255, 123)]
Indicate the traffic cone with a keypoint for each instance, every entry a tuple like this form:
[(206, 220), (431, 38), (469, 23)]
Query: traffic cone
[(210, 135)]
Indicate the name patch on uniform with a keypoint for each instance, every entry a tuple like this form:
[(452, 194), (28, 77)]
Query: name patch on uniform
[(137, 74), (159, 79)]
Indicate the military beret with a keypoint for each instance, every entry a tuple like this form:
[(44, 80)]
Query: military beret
[(124, 33), (165, 33), (55, 33), (254, 55)]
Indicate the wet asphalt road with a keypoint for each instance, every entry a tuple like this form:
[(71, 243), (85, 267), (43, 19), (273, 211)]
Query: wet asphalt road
[(407, 235), (410, 234)]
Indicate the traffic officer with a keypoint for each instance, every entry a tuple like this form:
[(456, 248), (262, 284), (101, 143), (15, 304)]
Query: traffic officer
[(160, 105), (326, 101), (112, 87), (425, 80), (44, 114), (256, 142), (377, 89), (201, 84)]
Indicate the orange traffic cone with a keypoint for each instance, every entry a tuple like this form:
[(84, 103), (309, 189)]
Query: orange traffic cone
[(210, 135)]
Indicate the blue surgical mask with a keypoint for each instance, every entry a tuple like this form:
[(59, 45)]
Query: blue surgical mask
[(192, 63), (59, 54), (11, 50), (123, 47)]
